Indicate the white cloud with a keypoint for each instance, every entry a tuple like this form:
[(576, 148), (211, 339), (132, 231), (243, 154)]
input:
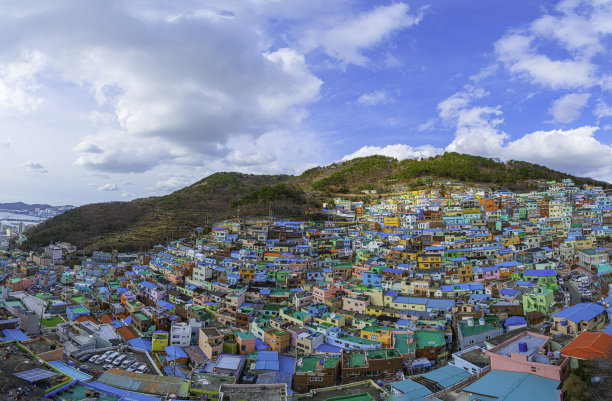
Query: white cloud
[(5, 143), (568, 108), (398, 151), (108, 187), (373, 98), (427, 125), (185, 100), (575, 150), (516, 52), (170, 184), (602, 110), (579, 27), (18, 83), (34, 166), (347, 40)]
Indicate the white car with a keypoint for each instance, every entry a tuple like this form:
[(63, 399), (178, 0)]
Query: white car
[(142, 369), (94, 358)]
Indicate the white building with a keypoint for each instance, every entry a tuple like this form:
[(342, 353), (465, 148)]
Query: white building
[(180, 334)]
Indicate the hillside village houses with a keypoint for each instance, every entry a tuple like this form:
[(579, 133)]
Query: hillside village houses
[(409, 295)]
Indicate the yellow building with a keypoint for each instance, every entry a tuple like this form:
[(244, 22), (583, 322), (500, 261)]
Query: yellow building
[(159, 341), (377, 333), (429, 261)]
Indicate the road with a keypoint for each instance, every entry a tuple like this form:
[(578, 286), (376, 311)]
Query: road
[(575, 296)]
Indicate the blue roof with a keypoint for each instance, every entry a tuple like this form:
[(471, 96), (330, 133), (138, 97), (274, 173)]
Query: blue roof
[(540, 273), (328, 348), (581, 312), (148, 284), (260, 345), (69, 371), (447, 375), (165, 304), (508, 291), (513, 386), (14, 334), (515, 321), (175, 352), (140, 343)]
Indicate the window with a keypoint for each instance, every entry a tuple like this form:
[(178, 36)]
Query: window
[(315, 379)]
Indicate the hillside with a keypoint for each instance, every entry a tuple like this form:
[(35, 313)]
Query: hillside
[(381, 173), (141, 223)]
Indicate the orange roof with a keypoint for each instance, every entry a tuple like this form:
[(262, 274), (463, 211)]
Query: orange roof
[(106, 318), (127, 333), (590, 346), (122, 315), (83, 318)]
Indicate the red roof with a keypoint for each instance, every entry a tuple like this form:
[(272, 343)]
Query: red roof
[(590, 346), (127, 333), (107, 318), (84, 318)]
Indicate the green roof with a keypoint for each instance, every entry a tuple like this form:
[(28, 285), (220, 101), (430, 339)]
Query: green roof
[(357, 360), (52, 321), (429, 338), (358, 340), (309, 363), (354, 397), (491, 323), (244, 336)]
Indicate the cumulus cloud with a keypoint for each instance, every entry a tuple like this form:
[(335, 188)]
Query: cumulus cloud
[(347, 40), (34, 166), (18, 83), (568, 108), (373, 98), (478, 132), (170, 183), (108, 187), (579, 27), (397, 151), (149, 83)]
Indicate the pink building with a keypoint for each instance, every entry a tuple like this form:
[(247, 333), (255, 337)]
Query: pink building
[(326, 292), (488, 273), (358, 270), (357, 303), (529, 353)]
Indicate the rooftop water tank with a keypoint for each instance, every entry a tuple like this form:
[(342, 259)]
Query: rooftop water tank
[(522, 347), (470, 321), (481, 321)]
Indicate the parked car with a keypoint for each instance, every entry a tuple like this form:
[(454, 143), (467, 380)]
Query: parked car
[(83, 358), (119, 359), (107, 366), (104, 355), (111, 357), (128, 362), (142, 369), (94, 358), (133, 367)]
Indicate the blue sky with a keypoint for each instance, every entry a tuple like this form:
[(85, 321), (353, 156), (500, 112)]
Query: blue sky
[(115, 100)]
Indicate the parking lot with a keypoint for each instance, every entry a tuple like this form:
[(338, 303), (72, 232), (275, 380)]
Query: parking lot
[(581, 285), (101, 367)]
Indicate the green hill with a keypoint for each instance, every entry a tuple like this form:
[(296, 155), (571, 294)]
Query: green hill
[(141, 223)]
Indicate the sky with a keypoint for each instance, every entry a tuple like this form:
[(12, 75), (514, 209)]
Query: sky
[(116, 100)]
